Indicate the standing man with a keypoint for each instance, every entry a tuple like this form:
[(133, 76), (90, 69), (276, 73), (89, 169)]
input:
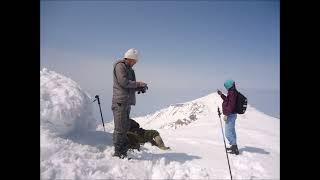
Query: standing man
[(124, 88)]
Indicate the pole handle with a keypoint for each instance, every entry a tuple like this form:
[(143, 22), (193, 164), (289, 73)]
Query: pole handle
[(219, 113), (97, 98)]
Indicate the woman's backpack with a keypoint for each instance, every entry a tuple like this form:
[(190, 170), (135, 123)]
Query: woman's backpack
[(241, 103)]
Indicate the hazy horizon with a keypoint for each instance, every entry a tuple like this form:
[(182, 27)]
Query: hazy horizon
[(188, 48)]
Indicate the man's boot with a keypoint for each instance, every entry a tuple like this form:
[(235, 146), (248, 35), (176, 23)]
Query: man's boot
[(120, 151), (153, 143), (159, 143), (233, 149)]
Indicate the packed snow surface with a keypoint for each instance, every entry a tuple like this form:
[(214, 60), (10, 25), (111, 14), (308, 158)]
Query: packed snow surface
[(73, 146)]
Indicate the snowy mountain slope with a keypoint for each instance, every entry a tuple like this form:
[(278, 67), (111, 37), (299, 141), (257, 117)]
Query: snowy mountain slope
[(182, 114), (191, 129), (258, 136)]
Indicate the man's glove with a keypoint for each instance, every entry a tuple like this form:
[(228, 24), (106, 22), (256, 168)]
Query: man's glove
[(225, 118), (141, 84), (219, 92)]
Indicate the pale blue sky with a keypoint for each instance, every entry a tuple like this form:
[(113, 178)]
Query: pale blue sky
[(188, 48)]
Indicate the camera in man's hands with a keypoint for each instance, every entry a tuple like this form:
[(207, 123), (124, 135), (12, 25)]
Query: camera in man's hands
[(142, 89)]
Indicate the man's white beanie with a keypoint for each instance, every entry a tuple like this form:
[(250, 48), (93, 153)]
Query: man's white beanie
[(132, 54)]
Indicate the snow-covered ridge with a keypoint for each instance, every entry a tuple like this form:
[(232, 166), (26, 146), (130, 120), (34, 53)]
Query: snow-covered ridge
[(177, 115), (183, 114)]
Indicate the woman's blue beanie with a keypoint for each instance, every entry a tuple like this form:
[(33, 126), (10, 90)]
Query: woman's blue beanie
[(228, 84)]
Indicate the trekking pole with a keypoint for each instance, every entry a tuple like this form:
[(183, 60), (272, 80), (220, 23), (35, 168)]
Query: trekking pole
[(219, 113), (97, 98)]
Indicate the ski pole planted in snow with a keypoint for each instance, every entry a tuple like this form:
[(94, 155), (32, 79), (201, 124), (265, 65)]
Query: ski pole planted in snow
[(97, 98), (219, 113)]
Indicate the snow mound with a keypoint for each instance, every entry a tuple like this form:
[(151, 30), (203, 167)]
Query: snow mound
[(64, 107)]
